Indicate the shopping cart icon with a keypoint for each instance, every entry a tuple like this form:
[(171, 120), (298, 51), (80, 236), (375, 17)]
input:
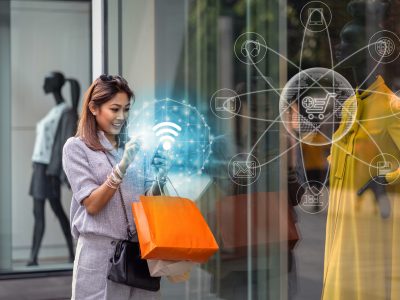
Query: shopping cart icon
[(317, 106)]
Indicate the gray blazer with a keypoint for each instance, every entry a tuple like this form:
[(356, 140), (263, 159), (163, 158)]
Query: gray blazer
[(87, 170)]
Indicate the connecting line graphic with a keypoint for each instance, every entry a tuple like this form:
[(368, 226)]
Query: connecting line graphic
[(299, 142), (293, 122), (262, 135), (280, 115), (263, 76), (330, 51), (373, 70), (333, 75), (330, 70), (301, 56), (276, 90), (299, 68), (315, 82), (365, 130)]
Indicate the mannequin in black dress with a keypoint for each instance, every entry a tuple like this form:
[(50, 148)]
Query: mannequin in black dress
[(47, 177)]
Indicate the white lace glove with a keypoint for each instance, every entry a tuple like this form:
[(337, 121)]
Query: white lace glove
[(131, 149)]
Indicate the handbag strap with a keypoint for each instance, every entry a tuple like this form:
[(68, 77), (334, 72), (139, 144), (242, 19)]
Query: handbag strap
[(128, 230)]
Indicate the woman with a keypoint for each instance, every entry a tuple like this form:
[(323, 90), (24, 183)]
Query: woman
[(98, 161)]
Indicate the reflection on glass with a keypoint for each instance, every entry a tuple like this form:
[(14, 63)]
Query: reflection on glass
[(52, 132), (362, 247), (50, 61)]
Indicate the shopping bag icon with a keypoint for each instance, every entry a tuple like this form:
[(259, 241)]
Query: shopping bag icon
[(244, 169)]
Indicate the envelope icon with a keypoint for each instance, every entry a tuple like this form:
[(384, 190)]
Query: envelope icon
[(244, 169)]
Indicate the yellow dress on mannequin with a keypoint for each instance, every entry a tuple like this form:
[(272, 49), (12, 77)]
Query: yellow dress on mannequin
[(362, 250)]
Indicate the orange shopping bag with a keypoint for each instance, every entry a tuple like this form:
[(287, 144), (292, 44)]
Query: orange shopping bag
[(172, 228)]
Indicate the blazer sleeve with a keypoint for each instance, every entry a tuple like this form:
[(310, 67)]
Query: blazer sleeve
[(78, 169)]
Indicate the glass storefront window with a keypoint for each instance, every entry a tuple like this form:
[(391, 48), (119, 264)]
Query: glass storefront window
[(285, 133), (183, 52), (49, 58), (280, 86)]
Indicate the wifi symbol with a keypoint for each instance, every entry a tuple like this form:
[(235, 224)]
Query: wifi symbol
[(167, 131)]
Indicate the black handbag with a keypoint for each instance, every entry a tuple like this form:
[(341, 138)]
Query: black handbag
[(130, 269), (127, 266)]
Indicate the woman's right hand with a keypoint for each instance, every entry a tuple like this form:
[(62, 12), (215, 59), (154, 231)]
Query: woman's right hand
[(131, 149)]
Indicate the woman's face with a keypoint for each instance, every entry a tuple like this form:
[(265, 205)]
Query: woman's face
[(112, 115)]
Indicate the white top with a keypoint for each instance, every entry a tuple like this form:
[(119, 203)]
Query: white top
[(45, 134)]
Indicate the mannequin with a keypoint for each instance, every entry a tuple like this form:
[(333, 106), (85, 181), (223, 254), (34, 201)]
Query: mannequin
[(354, 36), (362, 246), (51, 134)]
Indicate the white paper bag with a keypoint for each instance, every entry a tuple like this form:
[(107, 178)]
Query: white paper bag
[(179, 278), (169, 267)]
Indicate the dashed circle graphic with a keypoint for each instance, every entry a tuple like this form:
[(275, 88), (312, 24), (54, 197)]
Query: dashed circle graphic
[(225, 103), (244, 169), (383, 164), (384, 46), (250, 48), (313, 197), (315, 103)]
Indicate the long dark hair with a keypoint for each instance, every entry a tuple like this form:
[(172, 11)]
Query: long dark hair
[(102, 90)]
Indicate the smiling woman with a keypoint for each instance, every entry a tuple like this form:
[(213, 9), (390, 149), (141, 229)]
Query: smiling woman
[(99, 161), (106, 107)]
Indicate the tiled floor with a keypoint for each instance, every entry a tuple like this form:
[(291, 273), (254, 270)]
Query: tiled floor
[(309, 254), (54, 288)]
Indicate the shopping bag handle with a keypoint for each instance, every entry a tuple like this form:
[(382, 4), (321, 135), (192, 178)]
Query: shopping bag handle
[(162, 191)]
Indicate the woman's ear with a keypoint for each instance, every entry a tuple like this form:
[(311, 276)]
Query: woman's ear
[(93, 109)]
